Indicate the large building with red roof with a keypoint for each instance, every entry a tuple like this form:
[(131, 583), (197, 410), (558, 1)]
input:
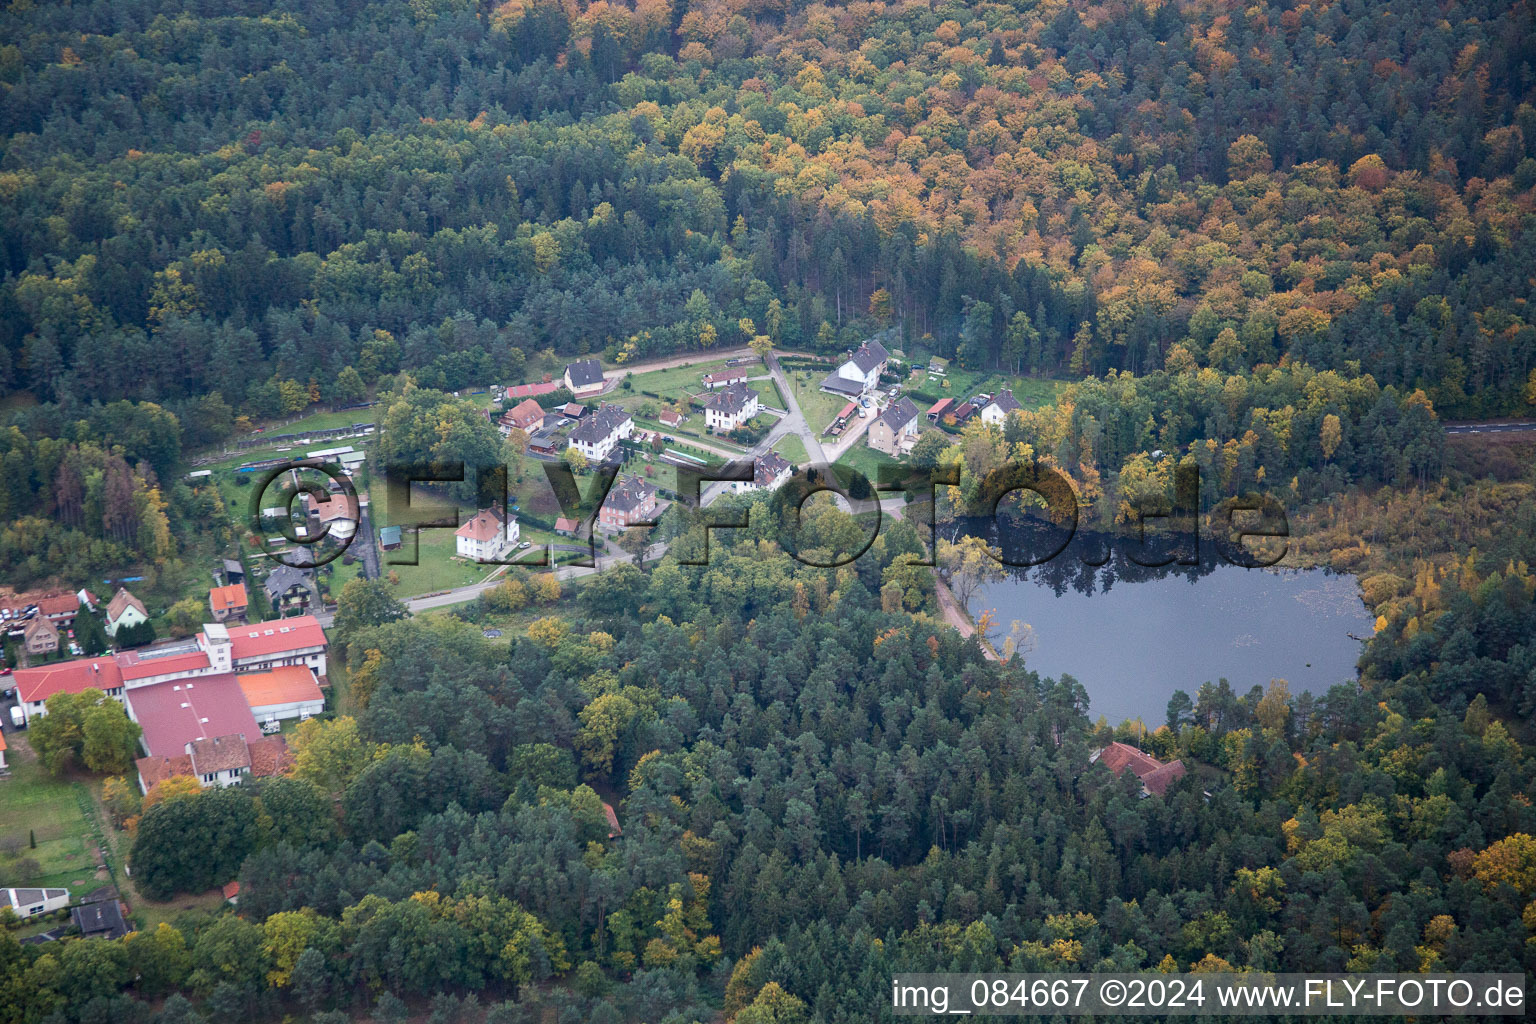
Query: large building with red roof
[(217, 650), (1155, 776), (177, 713)]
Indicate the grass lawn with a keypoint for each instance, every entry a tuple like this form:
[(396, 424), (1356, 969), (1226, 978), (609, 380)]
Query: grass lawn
[(867, 461), (792, 448), (1030, 392), (34, 802), (672, 382), (818, 406)]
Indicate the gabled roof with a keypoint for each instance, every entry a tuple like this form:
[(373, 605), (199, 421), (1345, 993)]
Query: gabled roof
[(284, 578), (60, 605), (870, 355), (389, 536), (898, 414), (575, 410), (1154, 775), (219, 754), (232, 565), (485, 526), (525, 412), (767, 467), (525, 390), (267, 638), (601, 424), (121, 602), (731, 399), (939, 408), (724, 375), (102, 920), (629, 494), (40, 624), (143, 664), (671, 417), (585, 373), (38, 684), (963, 412), (155, 770), (286, 684), (270, 756), (1005, 401), (231, 597)]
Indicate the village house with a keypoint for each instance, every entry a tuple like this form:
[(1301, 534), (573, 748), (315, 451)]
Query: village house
[(860, 372), (585, 378), (769, 471), (596, 436), (730, 408), (724, 378), (337, 516), (488, 537), (228, 602), (997, 410), (26, 903), (124, 610), (59, 608), (671, 418), (290, 589), (1155, 776), (102, 919), (525, 416), (895, 430), (40, 637), (631, 501)]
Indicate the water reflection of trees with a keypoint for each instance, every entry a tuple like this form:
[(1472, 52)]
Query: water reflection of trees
[(1089, 561)]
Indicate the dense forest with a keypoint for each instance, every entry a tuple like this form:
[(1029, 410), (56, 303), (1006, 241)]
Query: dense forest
[(818, 785), (1279, 242), (228, 197)]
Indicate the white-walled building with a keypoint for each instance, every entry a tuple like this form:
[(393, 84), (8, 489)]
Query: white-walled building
[(860, 372), (597, 435), (487, 537), (996, 411), (730, 407)]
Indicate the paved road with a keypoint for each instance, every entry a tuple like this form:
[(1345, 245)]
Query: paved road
[(1514, 427)]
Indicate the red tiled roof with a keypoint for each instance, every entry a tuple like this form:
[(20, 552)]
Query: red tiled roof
[(937, 408), (1154, 775), (613, 821), (848, 410), (524, 413), (231, 597), (287, 684), (133, 665), (175, 713), (671, 417), (155, 770), (269, 638), (58, 604), (483, 527), (270, 756), (1157, 782), (337, 506), (231, 890), (220, 754), (38, 684), (566, 525), (526, 390), (1119, 756)]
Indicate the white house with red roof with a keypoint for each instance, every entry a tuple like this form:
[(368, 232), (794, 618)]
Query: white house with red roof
[(487, 537)]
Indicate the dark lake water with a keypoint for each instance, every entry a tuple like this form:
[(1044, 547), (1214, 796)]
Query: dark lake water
[(1132, 638)]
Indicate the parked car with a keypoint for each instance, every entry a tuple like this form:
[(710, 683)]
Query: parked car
[(525, 544), (18, 717)]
